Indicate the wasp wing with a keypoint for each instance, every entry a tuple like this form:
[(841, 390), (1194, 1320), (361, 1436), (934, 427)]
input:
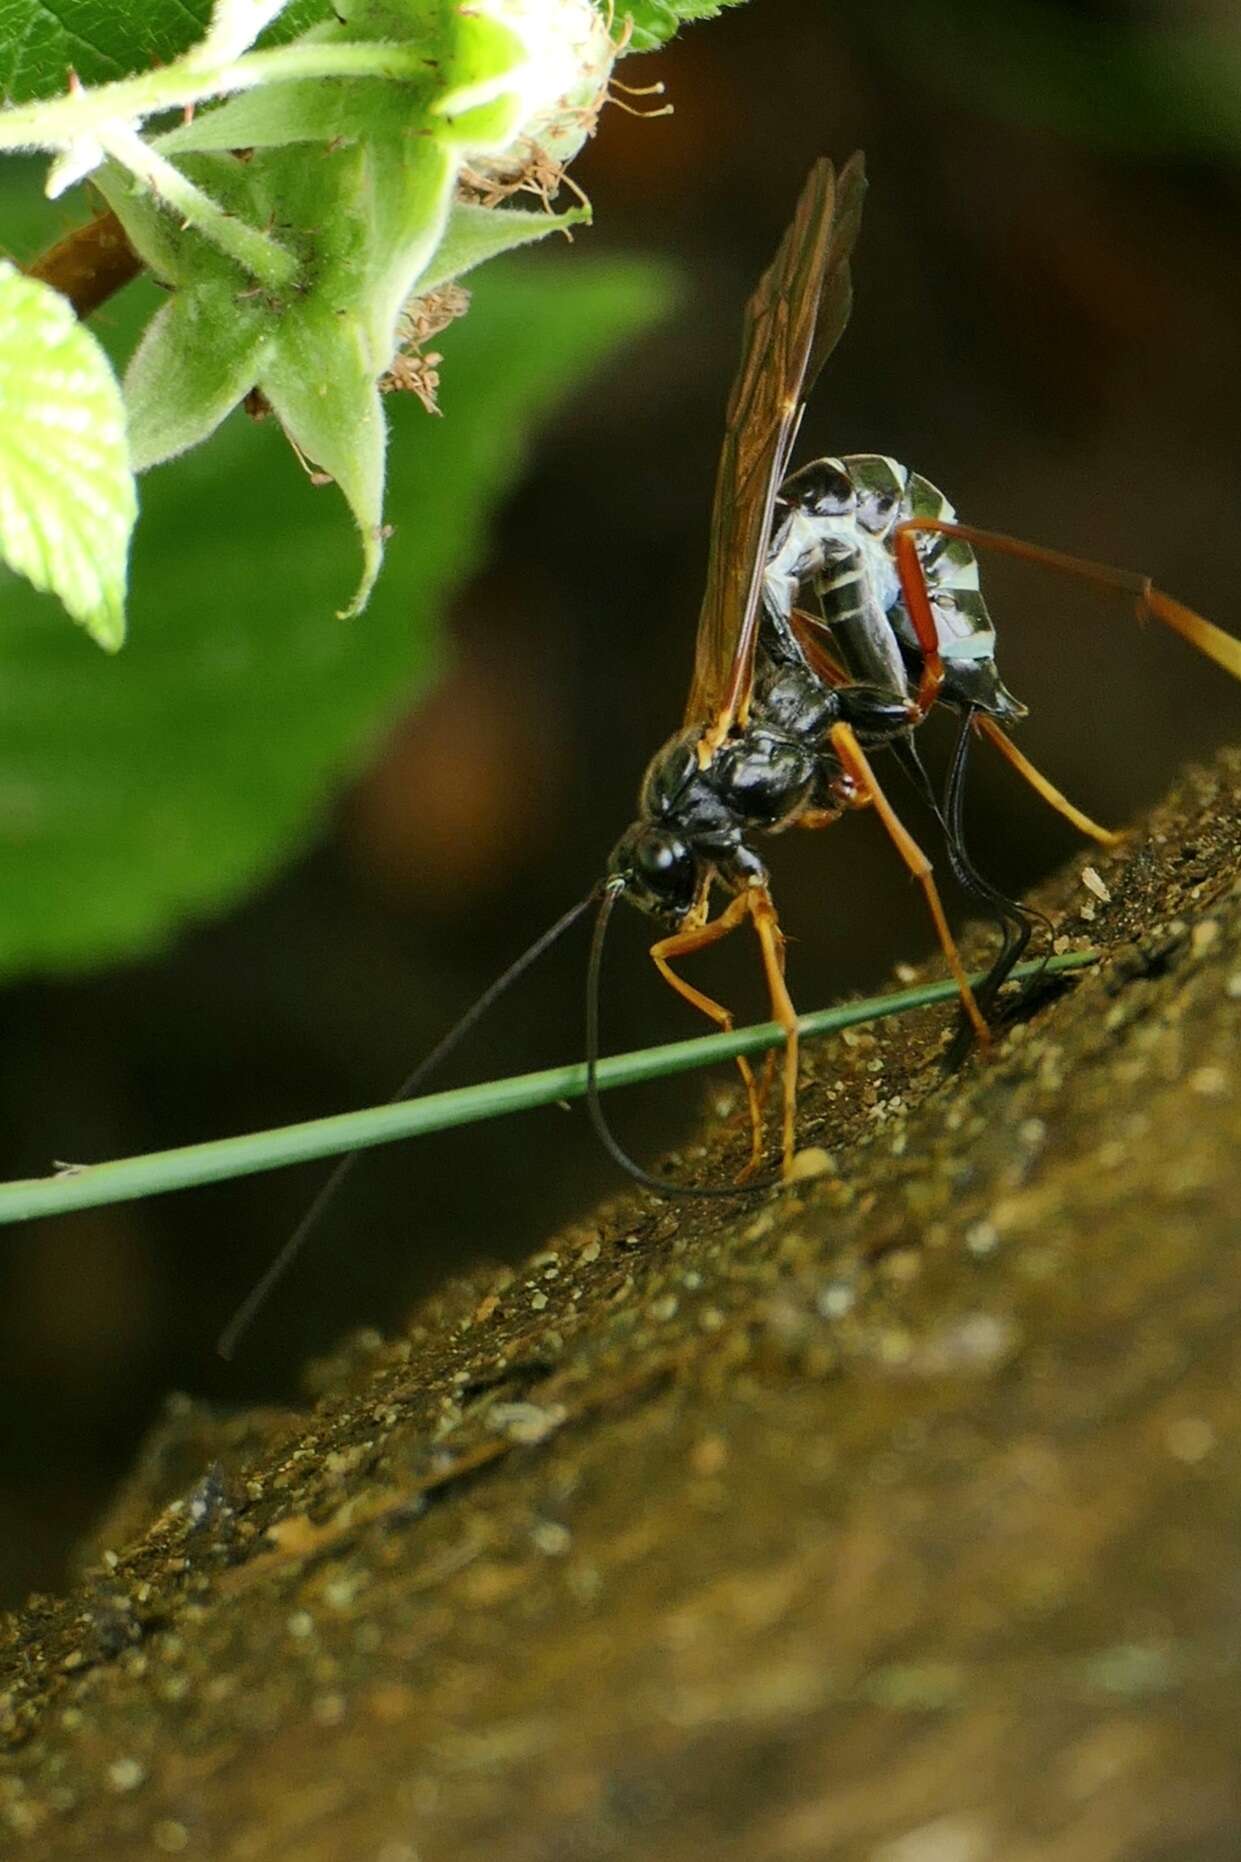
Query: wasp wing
[(792, 323)]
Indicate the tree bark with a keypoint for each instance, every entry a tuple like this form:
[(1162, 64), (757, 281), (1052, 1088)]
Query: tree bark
[(894, 1515)]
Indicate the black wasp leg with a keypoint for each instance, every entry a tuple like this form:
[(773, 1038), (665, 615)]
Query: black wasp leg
[(853, 762), (1016, 922)]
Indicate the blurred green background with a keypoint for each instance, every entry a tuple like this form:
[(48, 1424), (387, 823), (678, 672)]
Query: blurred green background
[(1045, 324)]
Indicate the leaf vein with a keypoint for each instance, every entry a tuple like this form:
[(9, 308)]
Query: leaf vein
[(76, 38)]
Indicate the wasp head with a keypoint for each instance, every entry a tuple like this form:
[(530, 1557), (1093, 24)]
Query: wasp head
[(657, 870)]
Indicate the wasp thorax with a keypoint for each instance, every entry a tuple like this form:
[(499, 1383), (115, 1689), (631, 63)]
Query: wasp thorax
[(658, 869), (679, 795), (764, 776), (671, 773)]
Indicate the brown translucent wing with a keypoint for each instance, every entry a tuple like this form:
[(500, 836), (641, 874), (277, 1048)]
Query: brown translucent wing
[(792, 323)]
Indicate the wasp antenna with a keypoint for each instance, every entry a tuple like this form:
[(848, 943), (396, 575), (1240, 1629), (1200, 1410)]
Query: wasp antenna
[(255, 1299), (603, 1131)]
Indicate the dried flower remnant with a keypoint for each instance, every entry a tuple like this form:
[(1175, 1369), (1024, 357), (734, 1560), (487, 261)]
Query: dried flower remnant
[(413, 370), (528, 169)]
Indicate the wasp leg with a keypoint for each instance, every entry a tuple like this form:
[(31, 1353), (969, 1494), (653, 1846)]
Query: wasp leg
[(1015, 922), (755, 903), (853, 761), (768, 1075), (771, 942), (1042, 784), (814, 818), (684, 944), (918, 606), (1223, 648), (813, 636)]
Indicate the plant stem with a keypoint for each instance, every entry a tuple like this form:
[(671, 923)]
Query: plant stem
[(90, 1186)]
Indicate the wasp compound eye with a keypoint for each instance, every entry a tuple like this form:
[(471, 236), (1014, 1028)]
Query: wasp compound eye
[(661, 858), (659, 870)]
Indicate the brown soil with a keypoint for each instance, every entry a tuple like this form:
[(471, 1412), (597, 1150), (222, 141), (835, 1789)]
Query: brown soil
[(892, 1516)]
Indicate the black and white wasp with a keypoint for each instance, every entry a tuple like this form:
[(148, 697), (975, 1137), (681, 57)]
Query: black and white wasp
[(842, 605)]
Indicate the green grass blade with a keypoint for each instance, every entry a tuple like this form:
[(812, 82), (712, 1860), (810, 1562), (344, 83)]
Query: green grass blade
[(89, 1186)]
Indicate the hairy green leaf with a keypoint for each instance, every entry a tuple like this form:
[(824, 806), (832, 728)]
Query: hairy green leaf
[(67, 501), (202, 350), (102, 40), (356, 220), (657, 21), (137, 795), (473, 235), (189, 372)]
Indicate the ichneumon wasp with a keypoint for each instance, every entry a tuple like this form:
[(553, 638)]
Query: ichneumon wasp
[(842, 605)]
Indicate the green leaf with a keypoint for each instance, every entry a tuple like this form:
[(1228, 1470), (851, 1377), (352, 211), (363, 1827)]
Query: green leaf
[(320, 384), (189, 372), (475, 234), (41, 43), (657, 21), (359, 219), (202, 350), (138, 795), (310, 109), (67, 501), (328, 348)]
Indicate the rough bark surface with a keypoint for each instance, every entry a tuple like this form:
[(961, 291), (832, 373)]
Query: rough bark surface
[(893, 1516)]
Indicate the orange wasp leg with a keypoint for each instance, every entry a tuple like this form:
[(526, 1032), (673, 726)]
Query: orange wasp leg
[(853, 762), (1210, 640), (918, 607), (808, 631), (1223, 648), (684, 944), (987, 727), (771, 942), (754, 903)]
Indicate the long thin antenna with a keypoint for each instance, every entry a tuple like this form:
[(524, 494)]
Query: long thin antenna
[(255, 1298), (603, 1131)]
